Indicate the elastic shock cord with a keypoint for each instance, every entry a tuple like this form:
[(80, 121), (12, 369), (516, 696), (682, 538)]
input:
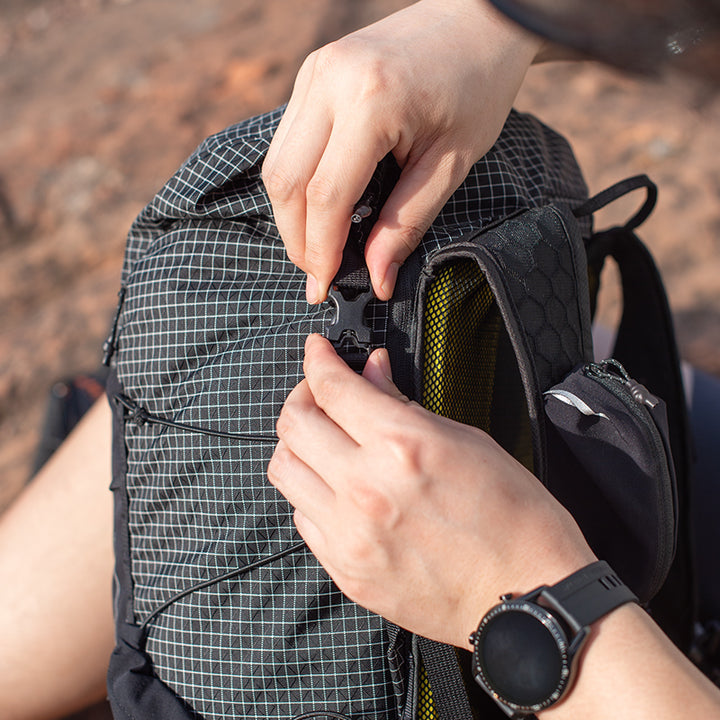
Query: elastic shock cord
[(220, 578), (139, 415)]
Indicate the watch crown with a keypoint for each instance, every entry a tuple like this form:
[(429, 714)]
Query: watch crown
[(472, 637), (506, 597)]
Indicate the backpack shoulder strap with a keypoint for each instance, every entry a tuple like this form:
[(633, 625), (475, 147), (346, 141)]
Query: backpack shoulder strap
[(646, 346), (645, 342), (449, 692)]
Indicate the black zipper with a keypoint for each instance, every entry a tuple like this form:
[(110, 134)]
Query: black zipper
[(614, 372)]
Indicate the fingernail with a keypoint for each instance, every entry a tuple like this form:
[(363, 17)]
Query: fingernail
[(384, 361), (311, 290), (388, 283)]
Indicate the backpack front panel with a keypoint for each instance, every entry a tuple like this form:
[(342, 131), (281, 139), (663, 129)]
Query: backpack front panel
[(210, 338)]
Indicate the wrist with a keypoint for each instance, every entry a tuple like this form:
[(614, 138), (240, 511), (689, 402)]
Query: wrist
[(536, 571), (486, 24), (521, 43), (527, 649)]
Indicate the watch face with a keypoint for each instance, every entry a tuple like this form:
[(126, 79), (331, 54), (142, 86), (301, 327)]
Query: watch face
[(521, 656)]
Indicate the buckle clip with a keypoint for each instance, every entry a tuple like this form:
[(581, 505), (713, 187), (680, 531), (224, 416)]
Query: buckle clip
[(348, 332)]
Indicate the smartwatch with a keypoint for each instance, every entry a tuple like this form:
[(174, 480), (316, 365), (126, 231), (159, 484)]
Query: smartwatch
[(526, 648)]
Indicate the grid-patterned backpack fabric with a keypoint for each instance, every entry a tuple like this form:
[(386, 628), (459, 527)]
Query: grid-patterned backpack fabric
[(221, 611)]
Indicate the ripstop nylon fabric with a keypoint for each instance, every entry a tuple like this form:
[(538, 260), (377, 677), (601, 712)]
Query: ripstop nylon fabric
[(211, 333)]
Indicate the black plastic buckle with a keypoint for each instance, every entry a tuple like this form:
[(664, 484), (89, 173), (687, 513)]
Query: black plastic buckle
[(349, 334)]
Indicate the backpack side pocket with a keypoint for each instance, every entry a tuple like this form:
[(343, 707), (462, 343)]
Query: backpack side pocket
[(610, 465)]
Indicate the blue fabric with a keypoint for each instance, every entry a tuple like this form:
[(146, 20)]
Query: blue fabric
[(705, 423)]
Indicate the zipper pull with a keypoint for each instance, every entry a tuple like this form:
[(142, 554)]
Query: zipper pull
[(361, 212), (612, 369), (641, 393)]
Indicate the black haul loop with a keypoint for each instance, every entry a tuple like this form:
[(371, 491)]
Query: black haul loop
[(604, 198)]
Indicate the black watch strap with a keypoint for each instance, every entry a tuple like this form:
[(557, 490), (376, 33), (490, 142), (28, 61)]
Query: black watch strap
[(590, 593)]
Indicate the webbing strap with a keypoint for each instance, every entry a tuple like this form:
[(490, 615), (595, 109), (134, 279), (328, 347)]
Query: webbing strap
[(353, 273), (449, 696), (646, 346), (351, 290), (353, 276)]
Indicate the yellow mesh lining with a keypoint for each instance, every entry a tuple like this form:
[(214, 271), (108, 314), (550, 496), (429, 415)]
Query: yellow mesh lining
[(470, 375), (469, 369), (461, 329), (426, 708)]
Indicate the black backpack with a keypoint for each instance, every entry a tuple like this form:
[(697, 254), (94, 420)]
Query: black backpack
[(221, 610)]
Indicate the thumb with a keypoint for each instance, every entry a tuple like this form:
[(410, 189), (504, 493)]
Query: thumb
[(417, 198), (378, 372)]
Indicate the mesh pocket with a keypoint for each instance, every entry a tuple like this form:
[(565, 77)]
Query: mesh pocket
[(469, 369)]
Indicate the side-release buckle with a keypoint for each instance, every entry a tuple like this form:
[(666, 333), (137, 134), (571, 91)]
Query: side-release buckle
[(348, 332)]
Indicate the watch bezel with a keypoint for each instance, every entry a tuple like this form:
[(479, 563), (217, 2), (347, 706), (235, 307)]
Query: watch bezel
[(566, 650)]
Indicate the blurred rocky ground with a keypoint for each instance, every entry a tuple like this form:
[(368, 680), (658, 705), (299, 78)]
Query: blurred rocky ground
[(100, 101)]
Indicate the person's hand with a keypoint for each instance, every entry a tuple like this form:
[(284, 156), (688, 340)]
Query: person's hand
[(433, 84), (416, 517)]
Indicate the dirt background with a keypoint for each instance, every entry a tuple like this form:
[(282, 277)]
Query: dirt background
[(101, 100)]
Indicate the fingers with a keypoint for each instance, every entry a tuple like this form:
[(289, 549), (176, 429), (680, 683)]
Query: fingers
[(313, 536), (361, 408), (387, 88), (377, 370), (314, 501), (319, 162), (344, 171), (329, 415), (423, 188), (291, 161), (301, 486), (313, 437), (315, 175)]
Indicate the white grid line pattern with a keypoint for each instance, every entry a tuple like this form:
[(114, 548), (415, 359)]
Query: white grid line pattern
[(211, 333)]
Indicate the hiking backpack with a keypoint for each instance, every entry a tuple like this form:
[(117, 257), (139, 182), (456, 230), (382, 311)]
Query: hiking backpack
[(221, 610)]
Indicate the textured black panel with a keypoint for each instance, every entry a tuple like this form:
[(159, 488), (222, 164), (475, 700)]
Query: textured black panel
[(545, 271)]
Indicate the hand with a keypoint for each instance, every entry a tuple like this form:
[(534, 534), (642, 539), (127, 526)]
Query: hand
[(433, 84), (416, 517)]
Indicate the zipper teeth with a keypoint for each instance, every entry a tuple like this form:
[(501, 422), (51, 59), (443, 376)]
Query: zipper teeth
[(616, 385)]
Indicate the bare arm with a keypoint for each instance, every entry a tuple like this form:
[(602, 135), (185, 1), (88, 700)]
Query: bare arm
[(417, 518), (56, 563)]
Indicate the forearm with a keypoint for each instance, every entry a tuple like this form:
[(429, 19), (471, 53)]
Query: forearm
[(430, 544), (630, 669), (55, 580)]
